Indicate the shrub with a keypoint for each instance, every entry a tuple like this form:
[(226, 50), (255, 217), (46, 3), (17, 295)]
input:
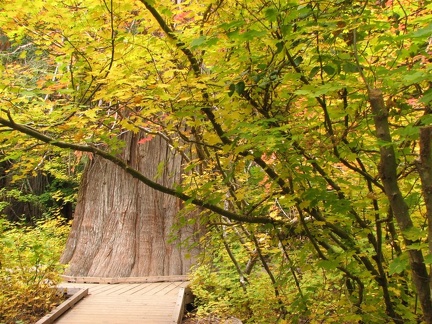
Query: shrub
[(219, 293), (29, 269), (304, 290)]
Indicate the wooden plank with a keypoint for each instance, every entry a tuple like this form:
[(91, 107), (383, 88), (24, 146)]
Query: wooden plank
[(156, 279), (90, 280), (160, 287), (101, 289), (165, 288), (91, 287), (104, 290), (122, 289), (125, 279), (130, 289), (69, 285), (130, 299), (96, 320), (180, 305), (147, 289), (125, 313), (63, 307), (125, 302), (169, 288)]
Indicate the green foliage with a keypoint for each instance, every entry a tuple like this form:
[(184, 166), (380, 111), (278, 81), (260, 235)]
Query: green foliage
[(30, 195), (297, 121), (29, 269), (307, 289), (219, 292), (44, 204)]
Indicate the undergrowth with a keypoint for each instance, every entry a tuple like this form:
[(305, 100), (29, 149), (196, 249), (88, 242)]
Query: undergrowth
[(29, 269), (304, 290)]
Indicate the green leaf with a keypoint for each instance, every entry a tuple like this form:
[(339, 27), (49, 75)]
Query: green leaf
[(271, 14), (233, 24), (422, 32), (251, 34), (414, 233), (428, 259), (427, 97), (198, 41), (328, 264), (232, 88), (313, 91), (314, 71), (398, 265), (349, 67), (330, 70), (419, 246), (298, 60), (239, 87), (410, 132), (279, 47), (415, 77)]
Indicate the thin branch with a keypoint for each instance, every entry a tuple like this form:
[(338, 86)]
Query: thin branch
[(356, 56)]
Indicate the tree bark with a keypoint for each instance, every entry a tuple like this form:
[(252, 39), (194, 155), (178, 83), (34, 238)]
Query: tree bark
[(121, 227), (388, 175), (424, 167)]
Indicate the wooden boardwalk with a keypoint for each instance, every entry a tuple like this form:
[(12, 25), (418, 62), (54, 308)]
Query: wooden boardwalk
[(118, 303)]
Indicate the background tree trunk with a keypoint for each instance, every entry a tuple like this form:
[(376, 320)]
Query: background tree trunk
[(121, 227), (25, 210)]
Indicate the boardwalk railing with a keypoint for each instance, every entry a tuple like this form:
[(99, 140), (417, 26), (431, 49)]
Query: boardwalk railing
[(100, 280), (75, 295), (184, 297)]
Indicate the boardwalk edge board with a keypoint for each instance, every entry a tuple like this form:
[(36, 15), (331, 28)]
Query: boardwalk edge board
[(101, 280), (76, 295), (184, 297)]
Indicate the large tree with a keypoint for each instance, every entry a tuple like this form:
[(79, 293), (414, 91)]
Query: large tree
[(124, 228), (297, 123)]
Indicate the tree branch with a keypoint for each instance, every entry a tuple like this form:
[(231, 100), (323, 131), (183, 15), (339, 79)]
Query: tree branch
[(133, 172)]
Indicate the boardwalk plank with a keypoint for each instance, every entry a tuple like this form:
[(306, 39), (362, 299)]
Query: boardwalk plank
[(170, 289), (128, 289), (123, 289), (143, 303)]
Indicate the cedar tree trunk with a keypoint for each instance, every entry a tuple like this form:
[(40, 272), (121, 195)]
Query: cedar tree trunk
[(121, 227)]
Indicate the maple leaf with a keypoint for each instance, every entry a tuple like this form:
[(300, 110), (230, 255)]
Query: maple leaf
[(145, 139)]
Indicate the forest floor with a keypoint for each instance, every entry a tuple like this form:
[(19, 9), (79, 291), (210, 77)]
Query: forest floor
[(211, 320)]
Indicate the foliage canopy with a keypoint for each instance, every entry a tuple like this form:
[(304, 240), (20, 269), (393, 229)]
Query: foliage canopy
[(305, 126)]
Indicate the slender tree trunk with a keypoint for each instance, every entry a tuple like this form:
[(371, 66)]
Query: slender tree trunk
[(121, 227), (424, 167), (388, 174)]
